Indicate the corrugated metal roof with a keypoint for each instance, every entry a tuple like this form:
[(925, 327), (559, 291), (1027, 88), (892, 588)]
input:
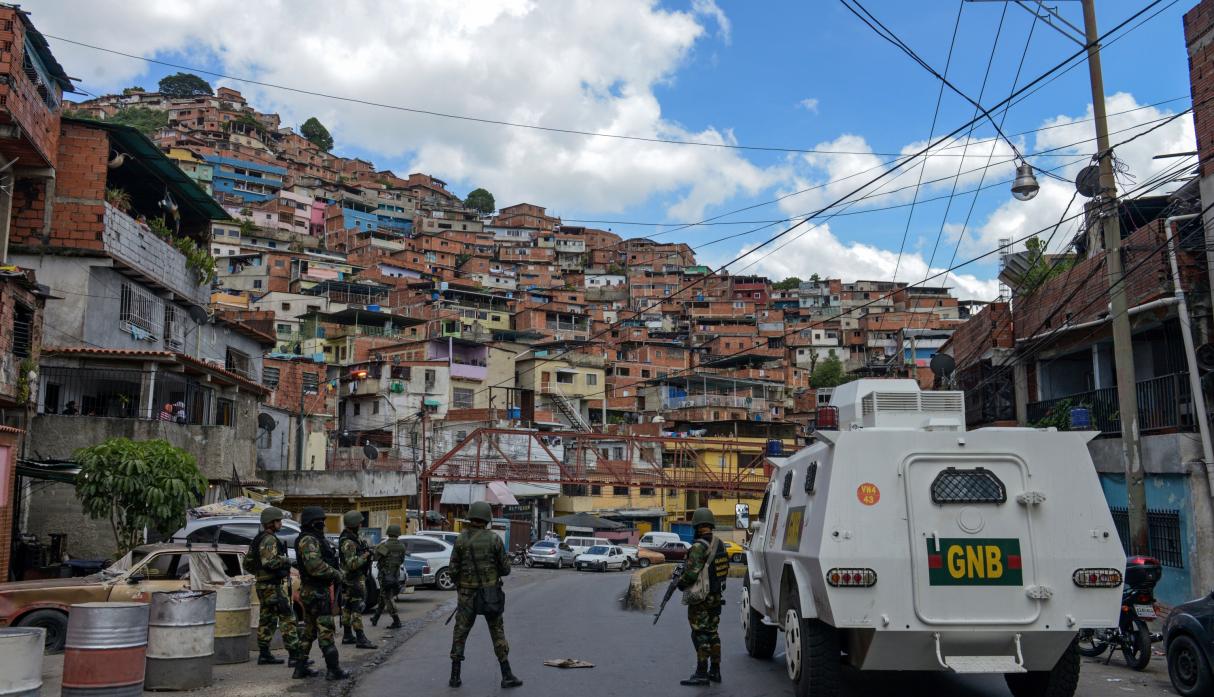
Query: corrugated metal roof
[(165, 355)]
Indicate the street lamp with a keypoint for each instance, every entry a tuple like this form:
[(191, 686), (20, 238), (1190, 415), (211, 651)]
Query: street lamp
[(1025, 187)]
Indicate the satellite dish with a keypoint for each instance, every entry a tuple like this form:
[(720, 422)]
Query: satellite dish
[(197, 314), (1087, 183), (266, 422), (942, 365), (1205, 357), (371, 452)]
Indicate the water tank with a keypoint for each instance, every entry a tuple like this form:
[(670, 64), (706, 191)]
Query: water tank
[(1081, 419), (775, 447)]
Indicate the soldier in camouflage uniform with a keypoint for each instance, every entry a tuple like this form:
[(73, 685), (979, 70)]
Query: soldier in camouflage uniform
[(389, 556), (354, 560), (267, 559), (318, 572), (706, 556), (479, 561)]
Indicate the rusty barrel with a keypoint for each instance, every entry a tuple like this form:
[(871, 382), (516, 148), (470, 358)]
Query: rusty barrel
[(21, 661), (106, 650), (181, 640), (233, 605)]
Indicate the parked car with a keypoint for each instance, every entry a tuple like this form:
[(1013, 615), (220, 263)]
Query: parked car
[(1188, 635), (233, 530), (674, 551), (642, 557), (437, 553), (653, 540), (418, 572), (444, 535), (144, 570), (580, 545), (736, 552), (549, 553), (602, 558)]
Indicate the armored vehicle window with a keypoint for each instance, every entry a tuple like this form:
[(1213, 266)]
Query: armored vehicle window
[(763, 506), (978, 485)]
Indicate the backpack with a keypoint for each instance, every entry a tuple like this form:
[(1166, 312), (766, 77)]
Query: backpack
[(699, 590)]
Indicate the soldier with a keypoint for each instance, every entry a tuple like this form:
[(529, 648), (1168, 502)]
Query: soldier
[(706, 556), (318, 571), (354, 559), (478, 563), (267, 559), (389, 556)]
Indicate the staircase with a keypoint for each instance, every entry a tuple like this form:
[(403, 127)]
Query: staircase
[(567, 408)]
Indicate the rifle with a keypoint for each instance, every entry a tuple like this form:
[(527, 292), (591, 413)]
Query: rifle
[(674, 584)]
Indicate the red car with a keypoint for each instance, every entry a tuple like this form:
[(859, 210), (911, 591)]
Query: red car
[(673, 551)]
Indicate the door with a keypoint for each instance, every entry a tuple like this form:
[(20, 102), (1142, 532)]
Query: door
[(971, 541), (545, 378)]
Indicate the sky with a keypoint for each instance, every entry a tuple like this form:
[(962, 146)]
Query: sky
[(816, 99)]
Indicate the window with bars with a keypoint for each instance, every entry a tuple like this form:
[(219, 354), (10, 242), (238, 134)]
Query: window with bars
[(311, 383), (239, 362), (23, 331), (269, 377), (1163, 526), (461, 398), (174, 328), (140, 312), (977, 485)]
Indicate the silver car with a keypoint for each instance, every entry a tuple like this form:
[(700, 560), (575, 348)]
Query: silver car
[(549, 553)]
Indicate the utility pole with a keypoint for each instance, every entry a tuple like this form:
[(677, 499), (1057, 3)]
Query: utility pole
[(299, 430), (1123, 357)]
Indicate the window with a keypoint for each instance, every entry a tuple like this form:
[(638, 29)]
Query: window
[(592, 379), (238, 362), (645, 372), (978, 485), (311, 383), (596, 490), (375, 407), (140, 312), (622, 372), (619, 490), (269, 377), (284, 329), (286, 306), (565, 378), (257, 283), (358, 409), (646, 491), (23, 329), (278, 265), (225, 412), (461, 397)]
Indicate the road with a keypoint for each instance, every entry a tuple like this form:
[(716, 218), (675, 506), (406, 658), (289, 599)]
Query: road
[(567, 614)]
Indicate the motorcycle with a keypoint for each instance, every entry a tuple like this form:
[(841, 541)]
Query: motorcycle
[(518, 557), (1131, 636)]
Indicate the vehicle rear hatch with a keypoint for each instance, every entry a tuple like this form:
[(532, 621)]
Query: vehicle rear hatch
[(971, 540)]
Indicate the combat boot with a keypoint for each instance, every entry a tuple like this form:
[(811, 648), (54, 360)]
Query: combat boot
[(301, 664), (395, 622), (334, 671), (296, 656), (265, 658), (361, 641), (347, 636), (714, 670), (698, 678), (508, 679), (454, 681), (375, 618)]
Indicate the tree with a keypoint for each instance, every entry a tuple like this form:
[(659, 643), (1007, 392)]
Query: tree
[(184, 85), (829, 372), (814, 278), (790, 283), (137, 485), (317, 134), (481, 200), (146, 120), (134, 89)]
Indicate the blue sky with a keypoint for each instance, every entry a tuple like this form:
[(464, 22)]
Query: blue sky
[(796, 75)]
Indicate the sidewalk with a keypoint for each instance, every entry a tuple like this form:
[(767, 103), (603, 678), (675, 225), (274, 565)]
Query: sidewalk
[(251, 680)]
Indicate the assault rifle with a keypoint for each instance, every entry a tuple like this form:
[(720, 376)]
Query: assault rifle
[(674, 585)]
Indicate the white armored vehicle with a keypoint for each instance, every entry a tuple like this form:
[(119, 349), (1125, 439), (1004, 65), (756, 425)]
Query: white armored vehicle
[(901, 541)]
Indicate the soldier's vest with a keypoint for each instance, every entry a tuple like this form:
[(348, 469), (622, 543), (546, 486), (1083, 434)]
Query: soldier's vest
[(478, 560), (717, 567), (327, 554), (392, 555), (253, 559), (358, 546)]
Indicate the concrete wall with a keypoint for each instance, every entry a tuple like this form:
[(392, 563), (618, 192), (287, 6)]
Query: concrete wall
[(51, 507), (362, 484), (218, 449)]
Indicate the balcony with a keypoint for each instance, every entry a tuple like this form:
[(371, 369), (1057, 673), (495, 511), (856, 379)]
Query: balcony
[(691, 401), (155, 261), (1164, 404)]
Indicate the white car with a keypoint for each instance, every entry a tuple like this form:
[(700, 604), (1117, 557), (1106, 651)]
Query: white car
[(444, 535), (602, 558), (233, 530), (437, 554)]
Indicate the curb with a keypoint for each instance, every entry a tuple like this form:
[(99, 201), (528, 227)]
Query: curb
[(644, 579)]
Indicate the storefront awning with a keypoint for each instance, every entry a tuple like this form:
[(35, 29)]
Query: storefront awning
[(465, 494)]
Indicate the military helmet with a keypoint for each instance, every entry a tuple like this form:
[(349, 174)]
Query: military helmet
[(394, 530), (352, 519), (703, 516), (480, 511), (270, 515), (310, 515)]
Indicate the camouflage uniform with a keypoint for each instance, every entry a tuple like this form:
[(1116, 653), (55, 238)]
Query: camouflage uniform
[(273, 569), (389, 556), (354, 582), (478, 561), (704, 617), (318, 572)]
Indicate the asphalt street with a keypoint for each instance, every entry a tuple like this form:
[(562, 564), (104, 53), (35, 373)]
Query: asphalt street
[(567, 614)]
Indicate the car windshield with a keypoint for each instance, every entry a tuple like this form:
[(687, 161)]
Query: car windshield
[(598, 549), (544, 545)]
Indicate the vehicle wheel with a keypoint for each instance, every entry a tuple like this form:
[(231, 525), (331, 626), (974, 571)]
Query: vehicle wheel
[(528, 563), (1091, 642), (738, 558), (643, 563), (55, 624), (560, 563), (1188, 668), (760, 638), (812, 655), (1060, 681), (1137, 650), (602, 566), (443, 580)]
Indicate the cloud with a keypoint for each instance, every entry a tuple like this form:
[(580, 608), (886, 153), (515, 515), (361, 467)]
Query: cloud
[(809, 104), (510, 61)]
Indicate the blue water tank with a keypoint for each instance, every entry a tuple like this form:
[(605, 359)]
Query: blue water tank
[(775, 447), (373, 308), (1081, 418), (514, 413)]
